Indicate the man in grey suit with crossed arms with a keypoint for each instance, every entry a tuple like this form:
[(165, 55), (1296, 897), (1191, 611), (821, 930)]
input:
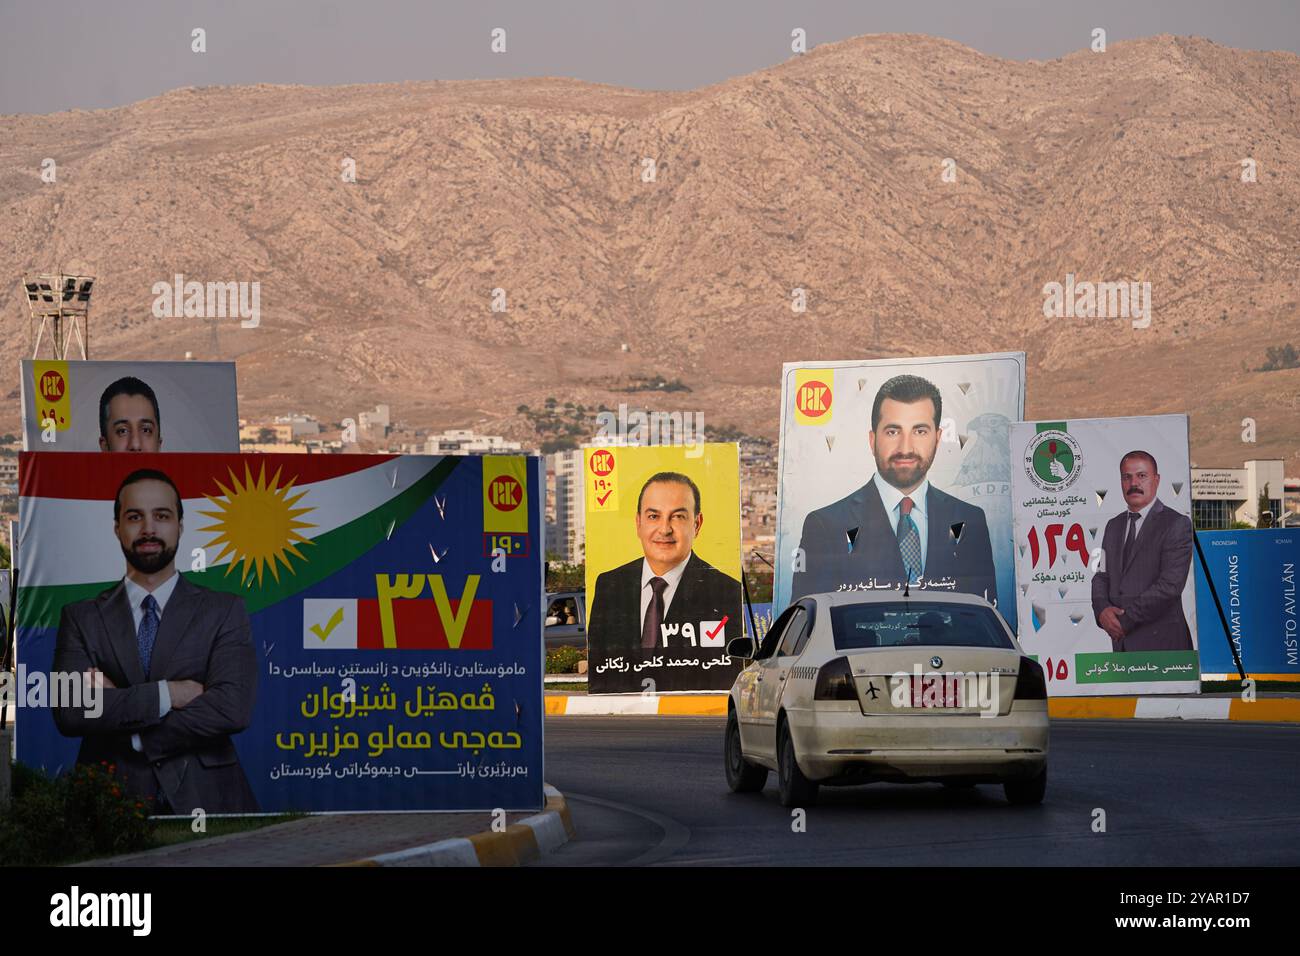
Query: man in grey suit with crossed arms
[(176, 661), (1138, 598)]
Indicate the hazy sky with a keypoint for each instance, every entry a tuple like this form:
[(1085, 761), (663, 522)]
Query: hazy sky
[(88, 54)]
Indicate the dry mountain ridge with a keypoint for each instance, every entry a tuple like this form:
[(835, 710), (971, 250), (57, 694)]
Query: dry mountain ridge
[(823, 173)]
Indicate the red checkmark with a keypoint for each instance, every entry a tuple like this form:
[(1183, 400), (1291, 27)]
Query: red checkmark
[(601, 499), (721, 624)]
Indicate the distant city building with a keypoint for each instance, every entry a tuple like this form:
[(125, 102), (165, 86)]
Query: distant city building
[(566, 535), (465, 442), (1221, 496), (375, 423), (264, 433), (301, 425), (8, 471), (274, 448)]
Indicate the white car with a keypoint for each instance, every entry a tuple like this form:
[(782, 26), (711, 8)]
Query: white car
[(855, 687)]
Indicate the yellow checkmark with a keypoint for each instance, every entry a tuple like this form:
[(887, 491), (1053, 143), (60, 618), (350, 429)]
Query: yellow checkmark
[(335, 620)]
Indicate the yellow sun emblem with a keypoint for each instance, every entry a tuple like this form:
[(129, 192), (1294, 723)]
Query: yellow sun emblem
[(257, 523)]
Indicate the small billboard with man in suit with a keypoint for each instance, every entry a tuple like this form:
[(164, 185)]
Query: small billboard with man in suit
[(1104, 554)]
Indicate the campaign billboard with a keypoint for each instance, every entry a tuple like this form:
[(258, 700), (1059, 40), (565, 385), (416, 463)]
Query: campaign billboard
[(1104, 554), (1254, 574), (129, 406), (897, 472), (663, 566), (286, 632)]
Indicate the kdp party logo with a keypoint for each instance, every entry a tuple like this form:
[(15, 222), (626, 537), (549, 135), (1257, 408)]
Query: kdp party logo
[(1054, 459), (813, 396)]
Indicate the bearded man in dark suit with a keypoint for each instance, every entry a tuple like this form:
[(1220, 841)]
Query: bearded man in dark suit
[(175, 662)]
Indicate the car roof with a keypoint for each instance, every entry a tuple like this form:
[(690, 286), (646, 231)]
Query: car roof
[(891, 596)]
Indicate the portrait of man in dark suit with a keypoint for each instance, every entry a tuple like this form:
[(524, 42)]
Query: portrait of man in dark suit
[(898, 528), (129, 419), (176, 663), (1138, 598), (642, 605)]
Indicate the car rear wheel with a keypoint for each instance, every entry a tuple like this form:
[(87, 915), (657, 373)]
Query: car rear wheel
[(742, 776), (1026, 791), (796, 789)]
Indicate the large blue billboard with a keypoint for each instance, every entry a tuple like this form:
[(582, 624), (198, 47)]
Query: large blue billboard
[(285, 632)]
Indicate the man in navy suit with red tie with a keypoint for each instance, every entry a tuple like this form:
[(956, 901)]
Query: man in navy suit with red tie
[(898, 528)]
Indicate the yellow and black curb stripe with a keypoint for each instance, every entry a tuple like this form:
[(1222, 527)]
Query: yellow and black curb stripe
[(1262, 709), (520, 843)]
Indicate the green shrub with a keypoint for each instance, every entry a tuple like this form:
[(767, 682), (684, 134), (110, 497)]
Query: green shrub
[(564, 660), (85, 812)]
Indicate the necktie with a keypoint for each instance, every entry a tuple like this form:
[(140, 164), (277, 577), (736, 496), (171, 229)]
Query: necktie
[(1128, 540), (654, 614), (148, 631), (909, 541)]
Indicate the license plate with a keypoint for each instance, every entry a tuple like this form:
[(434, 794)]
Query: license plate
[(935, 690)]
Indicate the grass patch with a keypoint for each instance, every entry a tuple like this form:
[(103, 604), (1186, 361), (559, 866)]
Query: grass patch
[(172, 832)]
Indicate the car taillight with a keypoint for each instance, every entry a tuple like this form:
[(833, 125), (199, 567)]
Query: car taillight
[(1030, 682), (835, 681)]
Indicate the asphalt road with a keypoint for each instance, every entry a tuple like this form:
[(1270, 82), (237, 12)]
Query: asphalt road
[(651, 791)]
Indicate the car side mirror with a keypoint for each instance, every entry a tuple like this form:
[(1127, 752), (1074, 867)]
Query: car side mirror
[(742, 647)]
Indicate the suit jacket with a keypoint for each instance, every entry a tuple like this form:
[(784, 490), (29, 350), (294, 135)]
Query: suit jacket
[(188, 756), (1150, 589), (829, 563), (703, 594)]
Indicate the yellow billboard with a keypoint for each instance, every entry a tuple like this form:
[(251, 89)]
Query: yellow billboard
[(663, 566)]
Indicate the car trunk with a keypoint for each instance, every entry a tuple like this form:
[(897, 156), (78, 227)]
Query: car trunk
[(905, 680)]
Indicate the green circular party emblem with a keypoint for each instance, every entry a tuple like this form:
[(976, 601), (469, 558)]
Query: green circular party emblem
[(1053, 460)]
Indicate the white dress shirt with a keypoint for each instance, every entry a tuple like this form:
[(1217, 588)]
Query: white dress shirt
[(891, 498), (1142, 516), (136, 594), (673, 576), (1137, 526)]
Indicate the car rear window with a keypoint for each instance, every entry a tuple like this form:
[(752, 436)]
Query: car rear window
[(857, 626)]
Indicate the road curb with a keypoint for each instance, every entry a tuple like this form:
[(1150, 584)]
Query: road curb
[(1261, 710), (520, 843)]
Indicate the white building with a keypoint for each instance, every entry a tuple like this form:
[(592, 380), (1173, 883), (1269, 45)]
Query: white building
[(462, 441), (374, 423), (1221, 496), (567, 535), (299, 424)]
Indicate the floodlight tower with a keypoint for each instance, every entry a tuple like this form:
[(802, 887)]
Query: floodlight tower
[(61, 303)]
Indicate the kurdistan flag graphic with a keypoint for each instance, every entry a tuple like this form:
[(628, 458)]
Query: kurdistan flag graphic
[(264, 526)]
